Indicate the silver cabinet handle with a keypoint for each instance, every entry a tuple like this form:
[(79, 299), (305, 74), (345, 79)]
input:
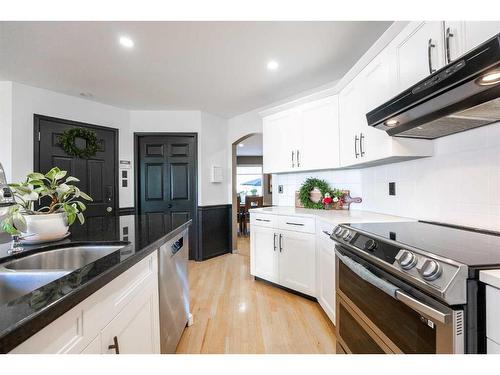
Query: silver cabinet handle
[(447, 38), (293, 157), (274, 242), (298, 224), (356, 139), (430, 46), (281, 242), (115, 345), (298, 159), (265, 220), (361, 141)]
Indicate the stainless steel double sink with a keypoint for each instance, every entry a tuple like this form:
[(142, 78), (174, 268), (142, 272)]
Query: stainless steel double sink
[(24, 275)]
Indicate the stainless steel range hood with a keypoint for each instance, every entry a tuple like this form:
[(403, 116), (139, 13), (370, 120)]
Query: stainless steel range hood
[(463, 95)]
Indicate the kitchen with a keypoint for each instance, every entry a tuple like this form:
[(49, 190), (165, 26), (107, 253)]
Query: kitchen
[(372, 224)]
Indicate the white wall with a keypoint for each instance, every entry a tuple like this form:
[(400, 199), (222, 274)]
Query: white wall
[(18, 104), (28, 100), (460, 184), (238, 127), (6, 127), (213, 153), (211, 132)]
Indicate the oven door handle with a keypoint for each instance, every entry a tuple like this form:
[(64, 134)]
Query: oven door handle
[(422, 308), (393, 290)]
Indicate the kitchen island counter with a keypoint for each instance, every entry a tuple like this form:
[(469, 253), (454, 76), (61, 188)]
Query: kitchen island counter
[(137, 236)]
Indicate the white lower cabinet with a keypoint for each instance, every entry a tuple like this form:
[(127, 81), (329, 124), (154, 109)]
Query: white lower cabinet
[(135, 329), (326, 274), (297, 261), (263, 242), (126, 308), (284, 257)]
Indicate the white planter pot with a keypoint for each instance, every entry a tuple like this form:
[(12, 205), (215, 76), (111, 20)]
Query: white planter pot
[(45, 228)]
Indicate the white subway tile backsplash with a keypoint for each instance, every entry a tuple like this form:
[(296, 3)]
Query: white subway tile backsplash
[(460, 184)]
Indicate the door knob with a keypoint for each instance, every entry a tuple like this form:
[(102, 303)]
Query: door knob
[(109, 209), (115, 345)]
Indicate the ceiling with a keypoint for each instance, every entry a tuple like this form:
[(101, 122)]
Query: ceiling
[(218, 67), (252, 146)]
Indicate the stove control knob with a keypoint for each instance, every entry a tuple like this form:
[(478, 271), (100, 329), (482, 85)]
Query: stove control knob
[(370, 245), (347, 235), (337, 230), (406, 259), (430, 269)]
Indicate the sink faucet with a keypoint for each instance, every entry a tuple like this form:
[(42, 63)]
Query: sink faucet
[(6, 196), (17, 246)]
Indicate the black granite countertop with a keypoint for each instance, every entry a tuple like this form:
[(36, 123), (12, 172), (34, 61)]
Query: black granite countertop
[(22, 317)]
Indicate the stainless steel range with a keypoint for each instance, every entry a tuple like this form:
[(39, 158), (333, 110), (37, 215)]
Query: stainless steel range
[(411, 287)]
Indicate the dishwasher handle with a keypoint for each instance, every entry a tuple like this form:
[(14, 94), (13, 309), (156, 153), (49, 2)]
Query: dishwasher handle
[(177, 246)]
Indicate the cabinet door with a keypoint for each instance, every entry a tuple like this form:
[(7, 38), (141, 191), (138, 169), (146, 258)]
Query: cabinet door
[(264, 253), (320, 135), (420, 53), (326, 277), (352, 117), (378, 84), (280, 138), (454, 43), (136, 327), (477, 32), (297, 261)]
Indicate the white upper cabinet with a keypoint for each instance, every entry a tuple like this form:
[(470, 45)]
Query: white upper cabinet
[(319, 148), (419, 53), (296, 139), (360, 144), (477, 32), (352, 121), (280, 137)]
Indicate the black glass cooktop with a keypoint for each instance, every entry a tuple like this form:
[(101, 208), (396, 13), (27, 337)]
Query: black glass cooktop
[(469, 247)]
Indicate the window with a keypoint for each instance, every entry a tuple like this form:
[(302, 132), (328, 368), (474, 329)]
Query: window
[(249, 180)]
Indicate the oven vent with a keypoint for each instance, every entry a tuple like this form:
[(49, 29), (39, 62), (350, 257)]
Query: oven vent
[(459, 323)]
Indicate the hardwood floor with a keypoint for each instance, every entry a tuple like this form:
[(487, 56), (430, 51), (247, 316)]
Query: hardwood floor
[(235, 314)]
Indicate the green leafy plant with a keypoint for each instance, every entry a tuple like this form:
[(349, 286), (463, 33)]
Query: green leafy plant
[(60, 192)]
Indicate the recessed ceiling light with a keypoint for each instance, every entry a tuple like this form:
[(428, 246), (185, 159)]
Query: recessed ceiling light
[(126, 42), (241, 145), (273, 65)]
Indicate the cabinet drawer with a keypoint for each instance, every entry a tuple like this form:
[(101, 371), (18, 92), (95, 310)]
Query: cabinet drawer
[(492, 313), (297, 224), (263, 220)]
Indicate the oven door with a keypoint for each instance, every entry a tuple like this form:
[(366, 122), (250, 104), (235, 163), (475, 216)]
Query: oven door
[(377, 313)]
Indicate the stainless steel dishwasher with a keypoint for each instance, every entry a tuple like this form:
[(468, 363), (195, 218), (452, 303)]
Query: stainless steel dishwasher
[(174, 291)]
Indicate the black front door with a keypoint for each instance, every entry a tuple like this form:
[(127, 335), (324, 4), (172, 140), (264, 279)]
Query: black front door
[(98, 174), (167, 183)]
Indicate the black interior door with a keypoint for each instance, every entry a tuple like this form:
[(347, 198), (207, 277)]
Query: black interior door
[(167, 183), (98, 175)]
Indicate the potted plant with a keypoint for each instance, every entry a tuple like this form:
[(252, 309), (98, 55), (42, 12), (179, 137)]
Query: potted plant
[(253, 191), (49, 222)]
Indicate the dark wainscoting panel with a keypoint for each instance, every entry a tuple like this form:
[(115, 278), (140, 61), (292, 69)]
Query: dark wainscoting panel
[(214, 231)]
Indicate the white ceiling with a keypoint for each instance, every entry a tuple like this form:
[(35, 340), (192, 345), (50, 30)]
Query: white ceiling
[(252, 146), (218, 67)]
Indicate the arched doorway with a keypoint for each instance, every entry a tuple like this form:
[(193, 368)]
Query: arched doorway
[(247, 180)]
